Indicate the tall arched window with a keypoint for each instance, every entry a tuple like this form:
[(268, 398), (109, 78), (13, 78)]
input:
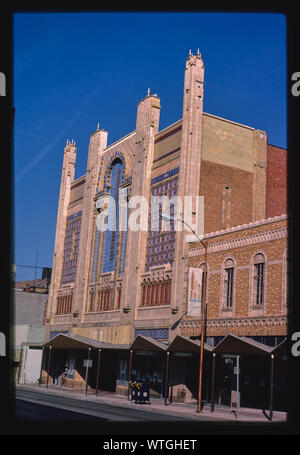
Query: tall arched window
[(167, 291), (92, 298), (152, 293), (112, 236), (228, 283), (258, 284), (119, 298), (259, 279), (158, 284), (144, 291)]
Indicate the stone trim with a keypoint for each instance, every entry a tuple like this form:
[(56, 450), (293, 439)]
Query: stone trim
[(260, 321), (238, 243), (119, 141), (230, 121)]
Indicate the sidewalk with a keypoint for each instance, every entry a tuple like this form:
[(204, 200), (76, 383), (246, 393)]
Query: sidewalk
[(157, 405)]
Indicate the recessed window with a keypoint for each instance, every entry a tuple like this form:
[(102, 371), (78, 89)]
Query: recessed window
[(228, 283), (228, 287), (259, 276)]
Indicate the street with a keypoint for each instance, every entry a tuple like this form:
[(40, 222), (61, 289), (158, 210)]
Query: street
[(35, 406), (41, 412)]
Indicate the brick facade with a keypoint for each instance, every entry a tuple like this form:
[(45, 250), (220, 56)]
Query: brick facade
[(276, 196), (228, 193), (245, 318)]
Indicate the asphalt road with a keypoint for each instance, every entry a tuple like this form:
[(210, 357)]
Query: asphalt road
[(41, 413), (48, 408)]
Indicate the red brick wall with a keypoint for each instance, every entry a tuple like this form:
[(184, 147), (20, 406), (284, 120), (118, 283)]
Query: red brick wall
[(276, 202), (275, 274)]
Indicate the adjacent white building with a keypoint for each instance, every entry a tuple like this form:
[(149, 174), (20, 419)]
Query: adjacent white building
[(29, 333)]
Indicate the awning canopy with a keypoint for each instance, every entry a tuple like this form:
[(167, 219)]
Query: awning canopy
[(144, 343), (233, 344), (184, 344), (72, 341)]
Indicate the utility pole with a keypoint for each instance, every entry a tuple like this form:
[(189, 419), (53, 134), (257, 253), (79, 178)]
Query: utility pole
[(37, 255), (203, 318)]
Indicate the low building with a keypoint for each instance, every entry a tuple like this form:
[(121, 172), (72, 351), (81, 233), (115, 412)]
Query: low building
[(246, 299), (28, 328)]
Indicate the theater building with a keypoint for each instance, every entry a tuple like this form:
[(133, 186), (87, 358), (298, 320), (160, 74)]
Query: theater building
[(121, 288)]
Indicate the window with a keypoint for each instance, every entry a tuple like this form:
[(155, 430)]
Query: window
[(64, 304), (112, 235), (156, 293), (119, 298), (91, 301), (259, 275), (259, 285), (229, 287)]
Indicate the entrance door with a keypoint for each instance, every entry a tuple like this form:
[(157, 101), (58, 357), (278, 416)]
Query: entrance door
[(224, 380)]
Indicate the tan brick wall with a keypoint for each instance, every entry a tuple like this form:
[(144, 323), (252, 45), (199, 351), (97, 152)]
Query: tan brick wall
[(228, 143), (167, 145), (117, 334)]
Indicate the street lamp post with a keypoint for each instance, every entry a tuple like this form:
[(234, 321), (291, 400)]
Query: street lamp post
[(199, 407), (204, 244)]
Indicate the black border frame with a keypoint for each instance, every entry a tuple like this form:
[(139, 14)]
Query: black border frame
[(9, 425)]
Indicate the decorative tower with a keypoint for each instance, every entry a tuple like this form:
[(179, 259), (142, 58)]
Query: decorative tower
[(68, 172), (190, 166), (147, 124), (98, 142)]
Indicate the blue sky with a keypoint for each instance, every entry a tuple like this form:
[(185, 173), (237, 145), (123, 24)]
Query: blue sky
[(73, 70)]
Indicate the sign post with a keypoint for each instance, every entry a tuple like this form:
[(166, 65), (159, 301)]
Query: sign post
[(87, 364)]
